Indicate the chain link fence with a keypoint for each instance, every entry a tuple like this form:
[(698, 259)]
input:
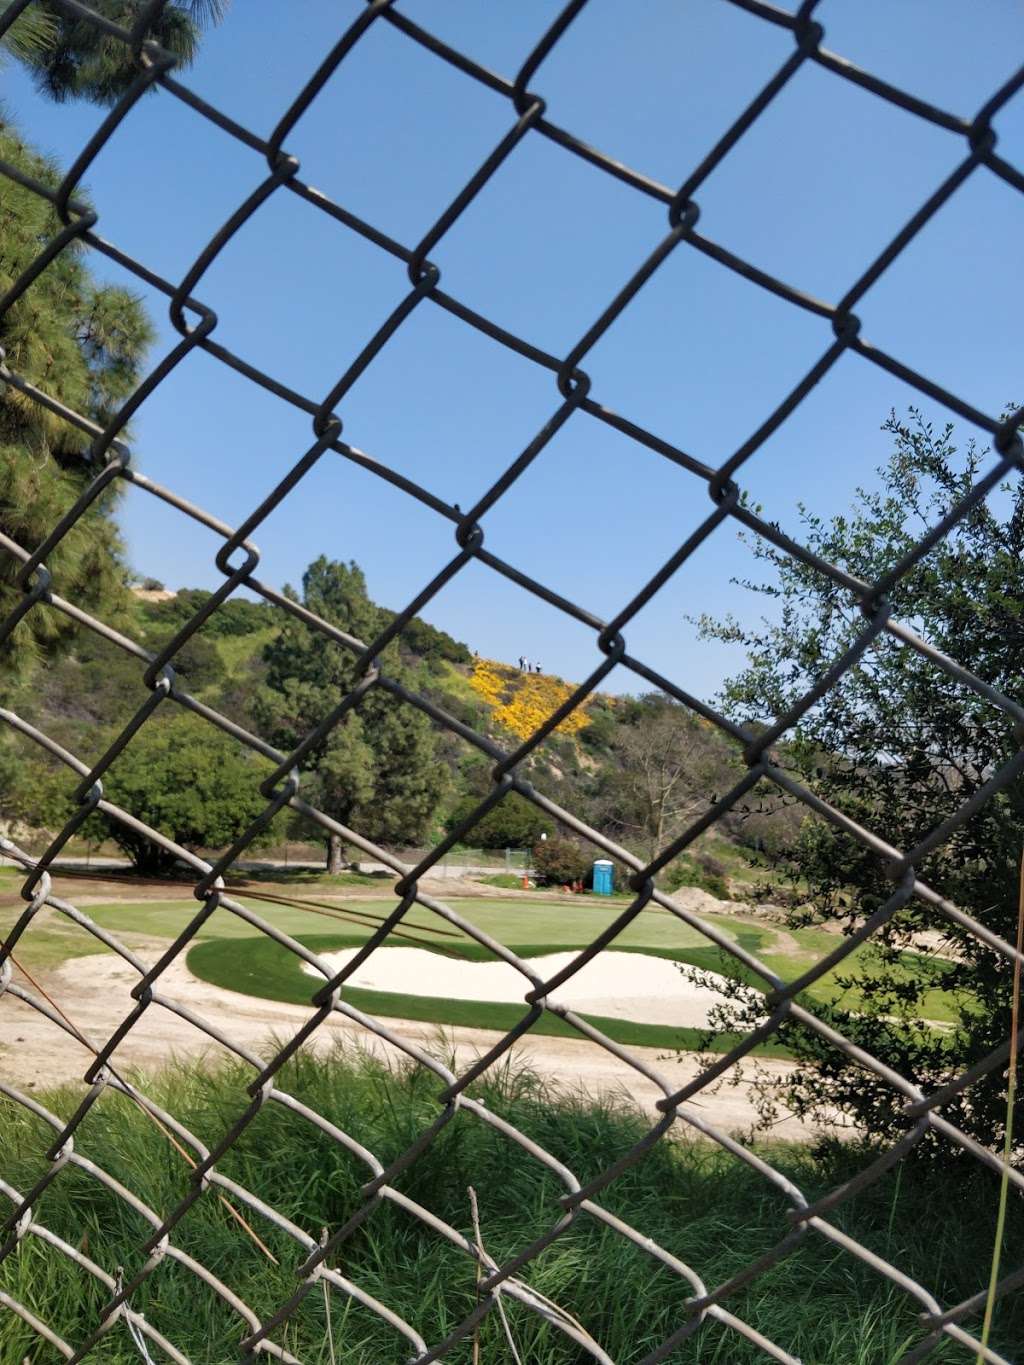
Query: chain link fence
[(469, 862), (702, 1307)]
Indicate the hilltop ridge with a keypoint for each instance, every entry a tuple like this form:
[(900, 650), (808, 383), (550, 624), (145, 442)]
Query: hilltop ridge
[(522, 701)]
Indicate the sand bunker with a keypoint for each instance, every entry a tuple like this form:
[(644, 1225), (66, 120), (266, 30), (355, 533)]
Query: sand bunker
[(635, 986)]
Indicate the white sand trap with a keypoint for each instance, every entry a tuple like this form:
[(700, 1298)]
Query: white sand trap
[(645, 989)]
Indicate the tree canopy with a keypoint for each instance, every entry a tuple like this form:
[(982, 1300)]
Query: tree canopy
[(376, 770), (189, 781), (513, 823), (79, 341), (664, 766), (73, 58), (82, 343), (899, 746)]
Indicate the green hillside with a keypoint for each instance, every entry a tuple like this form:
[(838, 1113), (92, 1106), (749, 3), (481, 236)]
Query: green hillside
[(638, 769), (498, 700)]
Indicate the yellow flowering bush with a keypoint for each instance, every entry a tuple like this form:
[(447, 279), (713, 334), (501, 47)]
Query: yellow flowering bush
[(522, 702), (490, 680)]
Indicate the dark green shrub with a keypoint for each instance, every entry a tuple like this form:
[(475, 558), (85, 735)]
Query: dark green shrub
[(236, 616), (427, 641), (512, 823), (558, 861)]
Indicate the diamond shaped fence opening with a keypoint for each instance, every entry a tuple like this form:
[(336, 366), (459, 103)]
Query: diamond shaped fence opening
[(700, 1307)]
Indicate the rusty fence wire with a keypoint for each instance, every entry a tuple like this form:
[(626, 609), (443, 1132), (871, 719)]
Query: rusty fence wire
[(702, 1307)]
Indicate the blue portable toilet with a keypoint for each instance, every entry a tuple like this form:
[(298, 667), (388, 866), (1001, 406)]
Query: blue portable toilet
[(604, 882)]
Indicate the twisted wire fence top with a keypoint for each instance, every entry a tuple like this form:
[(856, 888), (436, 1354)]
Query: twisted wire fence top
[(702, 1307)]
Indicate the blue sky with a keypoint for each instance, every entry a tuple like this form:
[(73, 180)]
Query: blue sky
[(812, 193)]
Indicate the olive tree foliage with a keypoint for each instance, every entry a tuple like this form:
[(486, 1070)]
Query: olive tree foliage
[(898, 746), (376, 771)]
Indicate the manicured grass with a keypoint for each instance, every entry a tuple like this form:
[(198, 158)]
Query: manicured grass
[(572, 923), (50, 940), (261, 967), (700, 1204)]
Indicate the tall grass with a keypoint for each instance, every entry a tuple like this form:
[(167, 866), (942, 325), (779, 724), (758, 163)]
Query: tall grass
[(705, 1207)]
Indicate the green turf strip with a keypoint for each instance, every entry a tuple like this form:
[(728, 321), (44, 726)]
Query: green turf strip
[(261, 967)]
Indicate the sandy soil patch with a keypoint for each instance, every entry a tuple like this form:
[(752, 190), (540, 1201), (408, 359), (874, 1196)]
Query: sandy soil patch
[(637, 986), (94, 993)]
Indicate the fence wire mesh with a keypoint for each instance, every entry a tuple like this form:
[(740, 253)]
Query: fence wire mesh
[(702, 1307)]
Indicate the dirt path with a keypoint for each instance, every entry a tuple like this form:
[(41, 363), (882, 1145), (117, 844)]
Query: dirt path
[(93, 992)]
